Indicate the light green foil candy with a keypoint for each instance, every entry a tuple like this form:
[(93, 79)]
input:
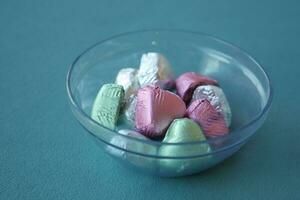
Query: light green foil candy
[(180, 131), (107, 105)]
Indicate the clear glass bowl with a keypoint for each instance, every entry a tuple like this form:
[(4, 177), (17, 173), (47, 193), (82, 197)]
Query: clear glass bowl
[(243, 80)]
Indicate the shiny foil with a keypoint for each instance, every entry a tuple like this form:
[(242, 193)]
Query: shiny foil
[(183, 130), (107, 105), (127, 78), (210, 120), (187, 82), (155, 110), (155, 69), (217, 99), (129, 109)]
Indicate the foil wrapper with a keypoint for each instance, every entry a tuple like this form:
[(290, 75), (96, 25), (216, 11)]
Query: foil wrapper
[(187, 82), (107, 105), (217, 99), (127, 77), (155, 110), (129, 109), (127, 144), (183, 130), (210, 120), (155, 69)]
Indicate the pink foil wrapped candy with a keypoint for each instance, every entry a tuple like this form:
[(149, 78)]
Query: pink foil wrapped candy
[(216, 98), (155, 110), (211, 121), (187, 82)]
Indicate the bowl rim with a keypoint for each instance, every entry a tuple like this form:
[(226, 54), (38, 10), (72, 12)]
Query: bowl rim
[(159, 143)]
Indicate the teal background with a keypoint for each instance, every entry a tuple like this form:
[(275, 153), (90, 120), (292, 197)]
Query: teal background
[(45, 154)]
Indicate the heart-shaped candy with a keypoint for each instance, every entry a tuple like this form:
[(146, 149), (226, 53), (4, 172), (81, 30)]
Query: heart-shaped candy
[(217, 99), (181, 131), (155, 110), (187, 82), (211, 121)]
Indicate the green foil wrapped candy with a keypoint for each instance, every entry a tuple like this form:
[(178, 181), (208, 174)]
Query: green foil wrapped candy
[(106, 107), (180, 131)]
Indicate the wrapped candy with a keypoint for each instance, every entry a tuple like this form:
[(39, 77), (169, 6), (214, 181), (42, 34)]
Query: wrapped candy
[(130, 108), (180, 131), (211, 121), (155, 110), (155, 69), (187, 82), (107, 105), (184, 130), (127, 78), (217, 99)]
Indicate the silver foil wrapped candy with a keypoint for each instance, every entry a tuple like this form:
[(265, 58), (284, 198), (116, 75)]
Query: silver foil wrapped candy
[(155, 69), (217, 99), (129, 108), (128, 79)]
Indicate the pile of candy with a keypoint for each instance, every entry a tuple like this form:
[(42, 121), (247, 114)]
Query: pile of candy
[(198, 110)]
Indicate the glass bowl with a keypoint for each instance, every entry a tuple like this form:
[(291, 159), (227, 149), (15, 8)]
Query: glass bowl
[(243, 80)]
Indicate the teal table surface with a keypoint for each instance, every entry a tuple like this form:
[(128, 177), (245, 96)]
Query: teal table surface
[(44, 152)]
